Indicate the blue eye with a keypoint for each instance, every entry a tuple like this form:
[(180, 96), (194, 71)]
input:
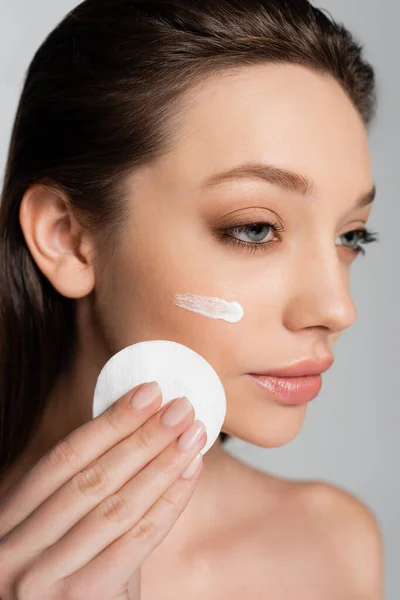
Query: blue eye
[(359, 236), (257, 230), (260, 230)]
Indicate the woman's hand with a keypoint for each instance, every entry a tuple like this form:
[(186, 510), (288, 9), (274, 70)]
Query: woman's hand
[(81, 522)]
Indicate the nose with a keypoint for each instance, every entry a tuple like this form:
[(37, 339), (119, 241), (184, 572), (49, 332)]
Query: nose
[(320, 293)]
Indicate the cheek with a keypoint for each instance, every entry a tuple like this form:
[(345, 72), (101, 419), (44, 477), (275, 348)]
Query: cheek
[(139, 290), (138, 300)]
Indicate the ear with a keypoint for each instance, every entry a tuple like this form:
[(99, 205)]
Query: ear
[(60, 246)]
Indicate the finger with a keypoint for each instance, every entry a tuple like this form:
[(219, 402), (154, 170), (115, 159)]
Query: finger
[(114, 566), (72, 454), (87, 488), (118, 513)]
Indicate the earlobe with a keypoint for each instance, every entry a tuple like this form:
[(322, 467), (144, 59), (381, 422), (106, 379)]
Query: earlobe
[(59, 245)]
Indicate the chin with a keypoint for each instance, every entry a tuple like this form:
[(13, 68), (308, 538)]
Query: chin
[(271, 429)]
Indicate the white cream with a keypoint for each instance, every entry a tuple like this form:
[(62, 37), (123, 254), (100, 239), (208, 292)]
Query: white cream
[(214, 308)]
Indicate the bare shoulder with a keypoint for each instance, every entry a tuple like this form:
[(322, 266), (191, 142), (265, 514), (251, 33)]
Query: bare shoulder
[(340, 535), (352, 531)]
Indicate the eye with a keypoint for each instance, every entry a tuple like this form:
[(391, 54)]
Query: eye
[(259, 234), (358, 236)]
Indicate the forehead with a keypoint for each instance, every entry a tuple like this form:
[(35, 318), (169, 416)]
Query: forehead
[(282, 114)]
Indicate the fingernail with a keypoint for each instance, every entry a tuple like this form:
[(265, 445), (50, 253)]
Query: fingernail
[(192, 467), (175, 413), (145, 395), (189, 438)]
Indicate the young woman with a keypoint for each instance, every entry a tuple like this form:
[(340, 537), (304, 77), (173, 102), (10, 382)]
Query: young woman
[(216, 147)]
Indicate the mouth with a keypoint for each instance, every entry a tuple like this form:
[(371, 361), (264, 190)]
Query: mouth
[(296, 384)]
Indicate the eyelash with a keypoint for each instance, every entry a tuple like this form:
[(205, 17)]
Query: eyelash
[(367, 236)]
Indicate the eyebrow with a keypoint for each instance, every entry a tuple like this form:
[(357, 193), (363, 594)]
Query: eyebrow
[(289, 181)]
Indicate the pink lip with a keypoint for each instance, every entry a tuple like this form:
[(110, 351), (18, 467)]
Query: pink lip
[(296, 384), (300, 368), (290, 390)]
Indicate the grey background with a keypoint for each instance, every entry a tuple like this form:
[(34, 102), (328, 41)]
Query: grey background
[(350, 436)]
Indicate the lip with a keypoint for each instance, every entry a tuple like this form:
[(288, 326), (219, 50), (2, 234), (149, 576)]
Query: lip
[(290, 390), (296, 384), (301, 368)]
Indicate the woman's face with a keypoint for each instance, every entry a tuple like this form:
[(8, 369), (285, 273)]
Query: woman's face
[(293, 284)]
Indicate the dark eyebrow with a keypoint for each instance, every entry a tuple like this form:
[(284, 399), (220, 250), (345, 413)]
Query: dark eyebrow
[(290, 181)]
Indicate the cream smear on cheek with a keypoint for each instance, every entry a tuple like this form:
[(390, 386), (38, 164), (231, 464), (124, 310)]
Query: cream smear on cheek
[(211, 307)]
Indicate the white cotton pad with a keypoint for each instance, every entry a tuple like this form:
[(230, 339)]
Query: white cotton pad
[(179, 370)]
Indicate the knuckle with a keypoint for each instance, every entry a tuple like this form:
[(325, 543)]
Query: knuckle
[(145, 438), (172, 500), (113, 416), (145, 528), (6, 567), (26, 587), (169, 464), (3, 553), (114, 508), (67, 590), (4, 532), (62, 453), (92, 480)]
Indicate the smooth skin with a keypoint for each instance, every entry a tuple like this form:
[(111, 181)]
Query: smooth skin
[(244, 531), (114, 511)]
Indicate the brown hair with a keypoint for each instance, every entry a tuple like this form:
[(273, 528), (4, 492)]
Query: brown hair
[(101, 97)]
